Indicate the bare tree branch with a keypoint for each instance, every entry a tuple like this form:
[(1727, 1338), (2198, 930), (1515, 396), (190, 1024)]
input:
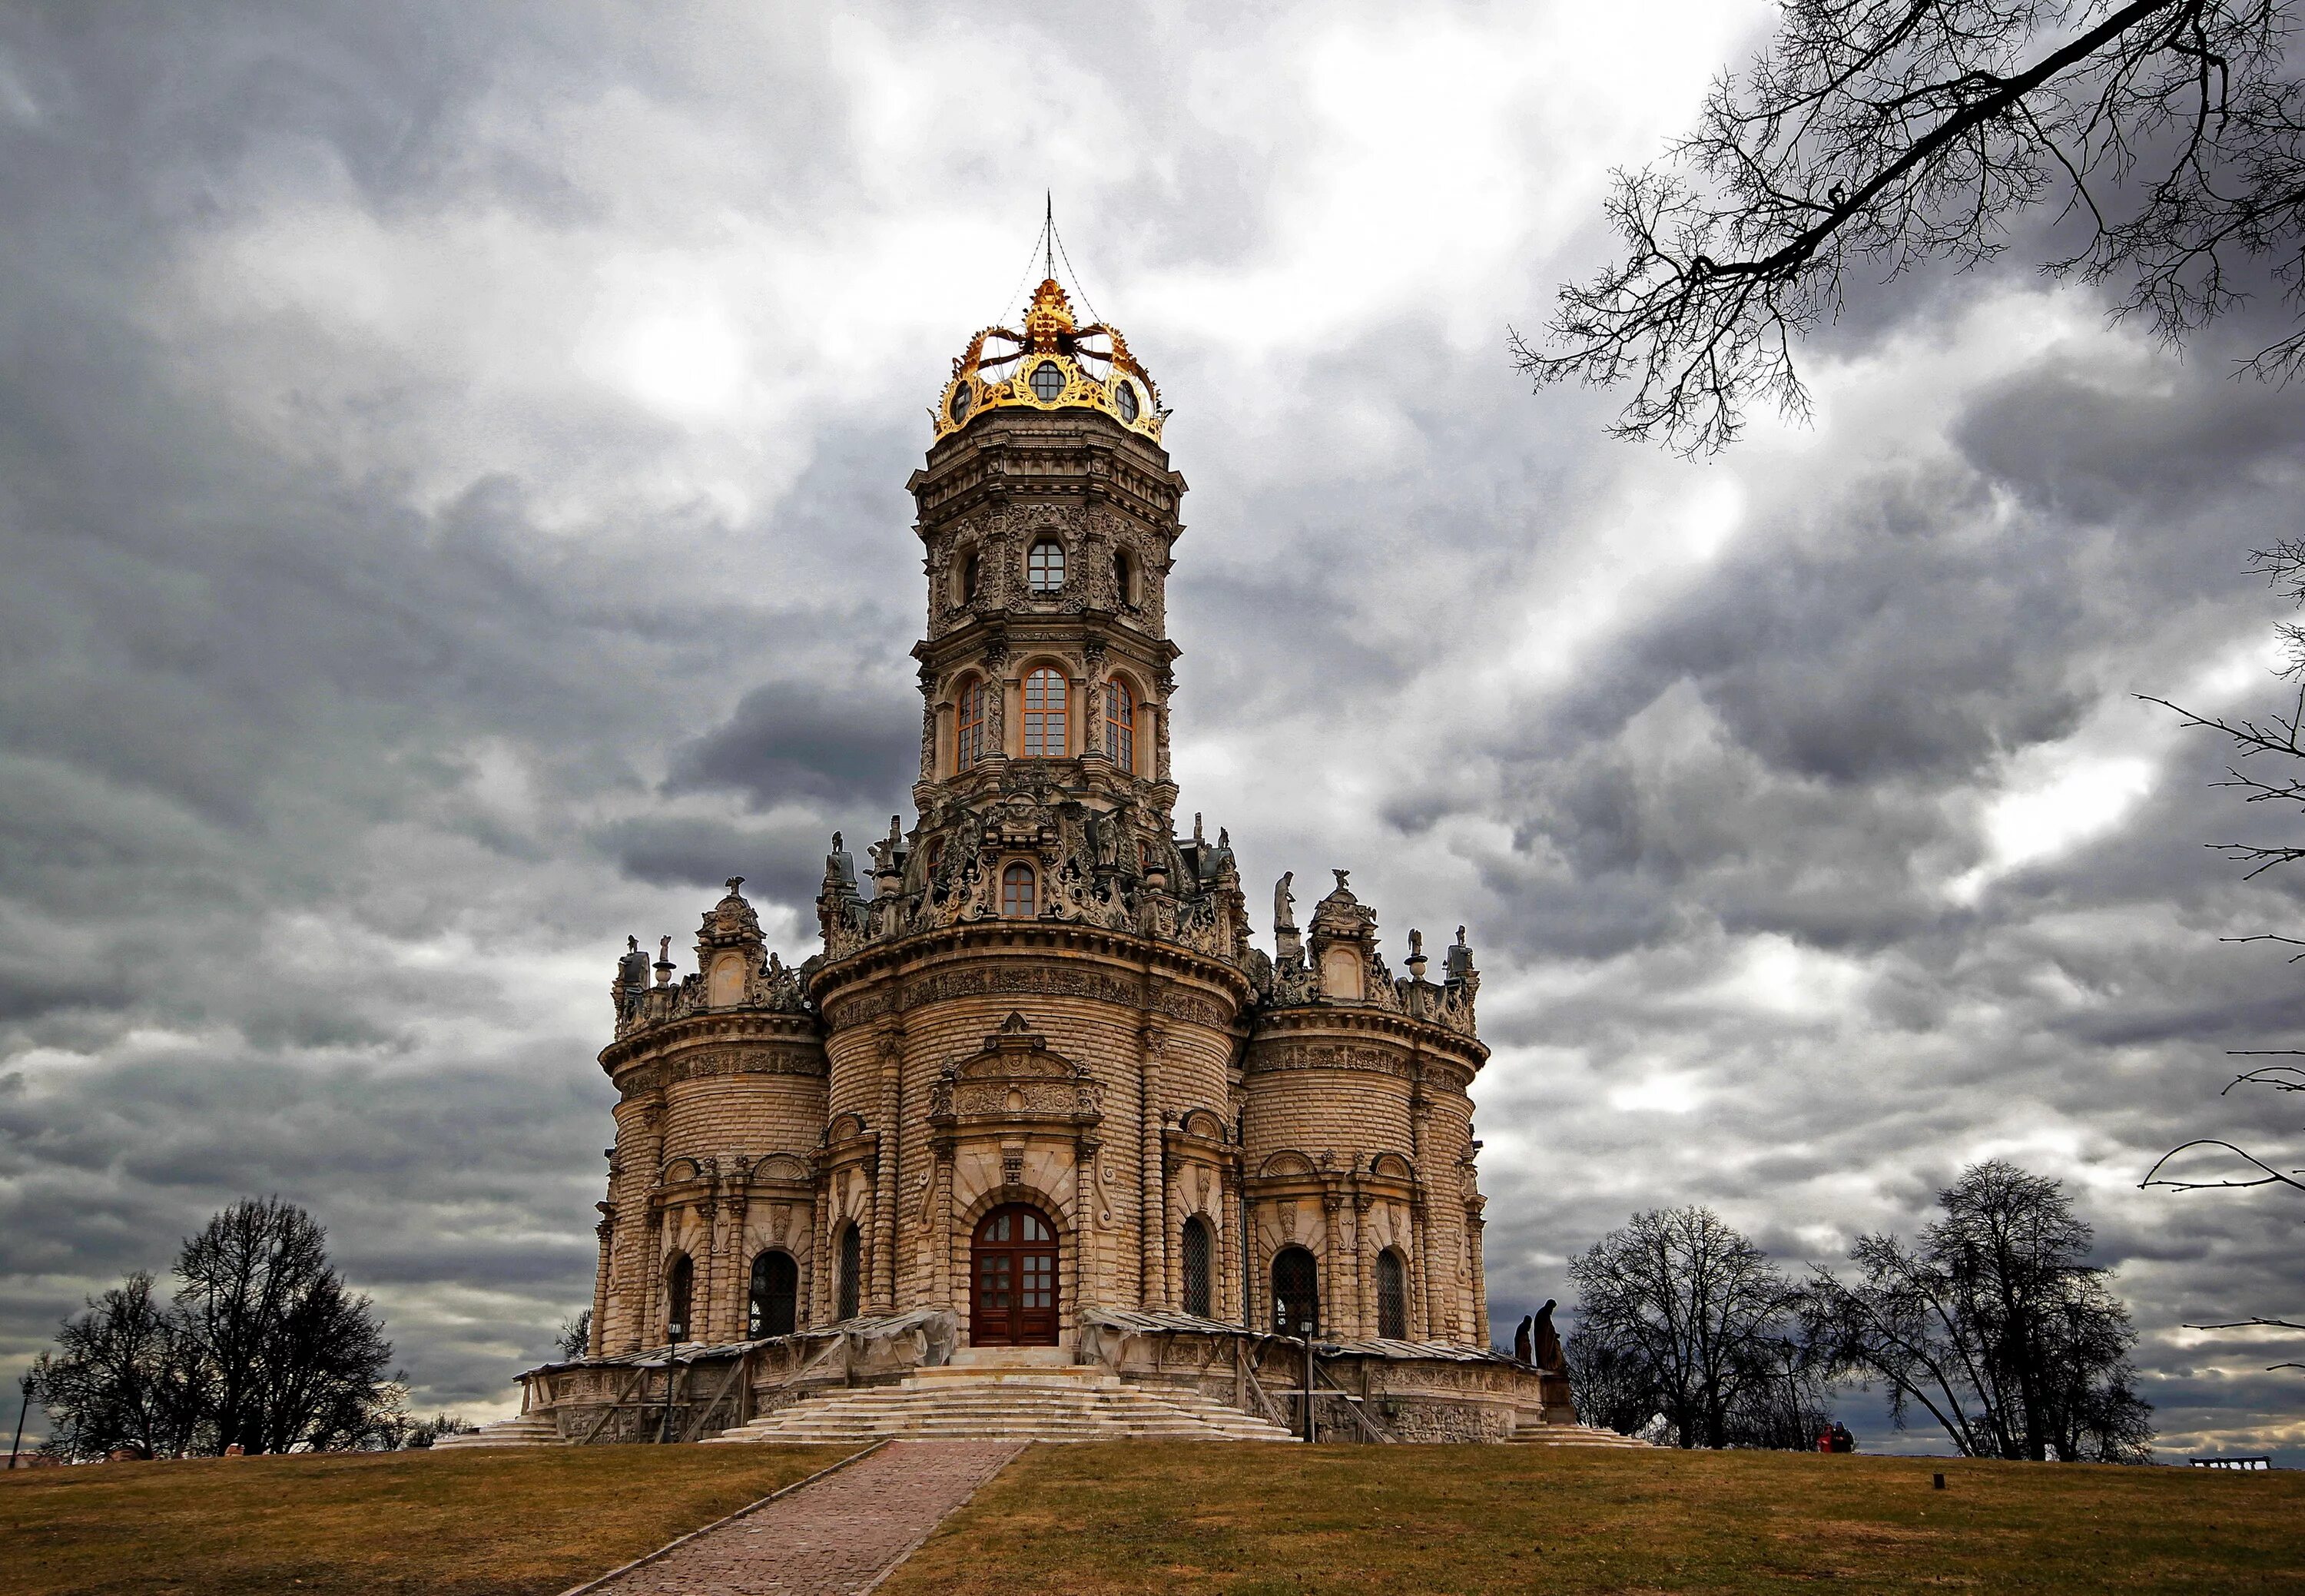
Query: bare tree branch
[(1888, 133)]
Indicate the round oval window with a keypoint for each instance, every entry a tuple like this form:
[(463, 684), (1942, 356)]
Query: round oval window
[(1127, 399), (1047, 381), (959, 408)]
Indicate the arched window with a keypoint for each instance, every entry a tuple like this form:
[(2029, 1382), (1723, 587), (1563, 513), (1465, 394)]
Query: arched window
[(775, 1298), (852, 1265), (1392, 1296), (1296, 1293), (1045, 714), (1196, 1267), (1045, 567), (964, 584), (1121, 725), (1016, 893), (679, 1287), (970, 747), (1124, 576)]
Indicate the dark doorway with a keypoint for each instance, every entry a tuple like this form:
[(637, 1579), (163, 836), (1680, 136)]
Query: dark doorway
[(776, 1295), (1296, 1293), (1013, 1274), (1391, 1296), (679, 1287), (1196, 1268), (851, 1267)]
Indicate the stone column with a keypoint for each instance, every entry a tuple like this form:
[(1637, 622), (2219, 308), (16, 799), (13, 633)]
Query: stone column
[(1340, 1308), (882, 1297), (1474, 1224), (606, 1231), (1364, 1264), (1420, 1307), (738, 1298), (942, 1236), (1152, 1194), (1085, 1253)]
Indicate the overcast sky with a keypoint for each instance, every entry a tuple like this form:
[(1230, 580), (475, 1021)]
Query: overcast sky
[(452, 468)]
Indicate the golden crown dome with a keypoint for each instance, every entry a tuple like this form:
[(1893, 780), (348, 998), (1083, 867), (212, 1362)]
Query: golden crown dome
[(1053, 365)]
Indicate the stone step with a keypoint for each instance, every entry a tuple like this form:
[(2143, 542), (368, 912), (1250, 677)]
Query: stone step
[(1044, 1402), (1573, 1434), (505, 1432)]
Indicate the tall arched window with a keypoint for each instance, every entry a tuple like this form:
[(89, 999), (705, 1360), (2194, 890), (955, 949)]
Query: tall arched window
[(1124, 576), (1196, 1268), (965, 589), (970, 723), (852, 1265), (679, 1287), (1045, 567), (1121, 725), (1045, 714), (1017, 893), (775, 1298), (1296, 1293), (1392, 1296)]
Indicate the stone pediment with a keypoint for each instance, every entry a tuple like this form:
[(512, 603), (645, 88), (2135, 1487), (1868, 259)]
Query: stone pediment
[(1015, 1075)]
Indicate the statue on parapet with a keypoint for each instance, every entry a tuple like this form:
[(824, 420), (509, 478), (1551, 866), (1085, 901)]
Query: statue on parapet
[(1545, 1343), (1284, 901)]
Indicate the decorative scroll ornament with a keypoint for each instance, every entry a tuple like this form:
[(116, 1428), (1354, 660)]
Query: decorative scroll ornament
[(1053, 365)]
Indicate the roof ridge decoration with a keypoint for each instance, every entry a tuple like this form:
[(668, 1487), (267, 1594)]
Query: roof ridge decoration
[(1052, 364)]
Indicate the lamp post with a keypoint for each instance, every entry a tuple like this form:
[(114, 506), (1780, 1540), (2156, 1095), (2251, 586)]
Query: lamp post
[(1310, 1433), (24, 1384)]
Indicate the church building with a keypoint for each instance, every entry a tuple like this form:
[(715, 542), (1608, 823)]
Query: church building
[(1038, 1101)]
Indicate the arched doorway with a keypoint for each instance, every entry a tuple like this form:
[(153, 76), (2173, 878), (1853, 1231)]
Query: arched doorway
[(1013, 1279), (1296, 1293), (773, 1305)]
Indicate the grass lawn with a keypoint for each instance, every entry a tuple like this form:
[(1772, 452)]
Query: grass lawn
[(463, 1524), (1252, 1520)]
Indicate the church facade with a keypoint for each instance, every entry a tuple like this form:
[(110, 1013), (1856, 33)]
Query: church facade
[(1037, 1087)]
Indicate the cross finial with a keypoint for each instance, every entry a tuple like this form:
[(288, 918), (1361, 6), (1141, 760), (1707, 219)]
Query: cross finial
[(1049, 234)]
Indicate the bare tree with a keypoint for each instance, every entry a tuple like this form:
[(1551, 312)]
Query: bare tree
[(285, 1354), (2267, 757), (576, 1335), (1882, 134), (1996, 1325), (119, 1377), (1679, 1314)]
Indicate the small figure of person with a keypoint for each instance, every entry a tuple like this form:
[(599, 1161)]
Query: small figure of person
[(1843, 1441)]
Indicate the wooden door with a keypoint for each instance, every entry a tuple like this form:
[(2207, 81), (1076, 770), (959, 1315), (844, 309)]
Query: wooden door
[(1012, 1276)]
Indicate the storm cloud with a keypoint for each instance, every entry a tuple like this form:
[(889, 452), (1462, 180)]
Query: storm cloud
[(452, 469)]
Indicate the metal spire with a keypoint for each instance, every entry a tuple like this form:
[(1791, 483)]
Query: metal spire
[(1049, 234)]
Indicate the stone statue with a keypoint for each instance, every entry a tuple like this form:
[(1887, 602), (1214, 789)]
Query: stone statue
[(734, 882), (1546, 1342), (1284, 917), (1521, 1343), (632, 977), (1416, 946)]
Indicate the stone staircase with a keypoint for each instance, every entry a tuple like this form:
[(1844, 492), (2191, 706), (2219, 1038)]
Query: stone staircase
[(523, 1432), (985, 1397), (1574, 1435)]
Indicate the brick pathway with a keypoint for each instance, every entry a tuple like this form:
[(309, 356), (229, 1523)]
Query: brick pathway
[(834, 1538)]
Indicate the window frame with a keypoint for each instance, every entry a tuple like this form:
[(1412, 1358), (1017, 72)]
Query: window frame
[(850, 1286), (1046, 732), (1392, 1294), (1035, 583), (1011, 873), (1120, 724), (971, 719), (1197, 1276)]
